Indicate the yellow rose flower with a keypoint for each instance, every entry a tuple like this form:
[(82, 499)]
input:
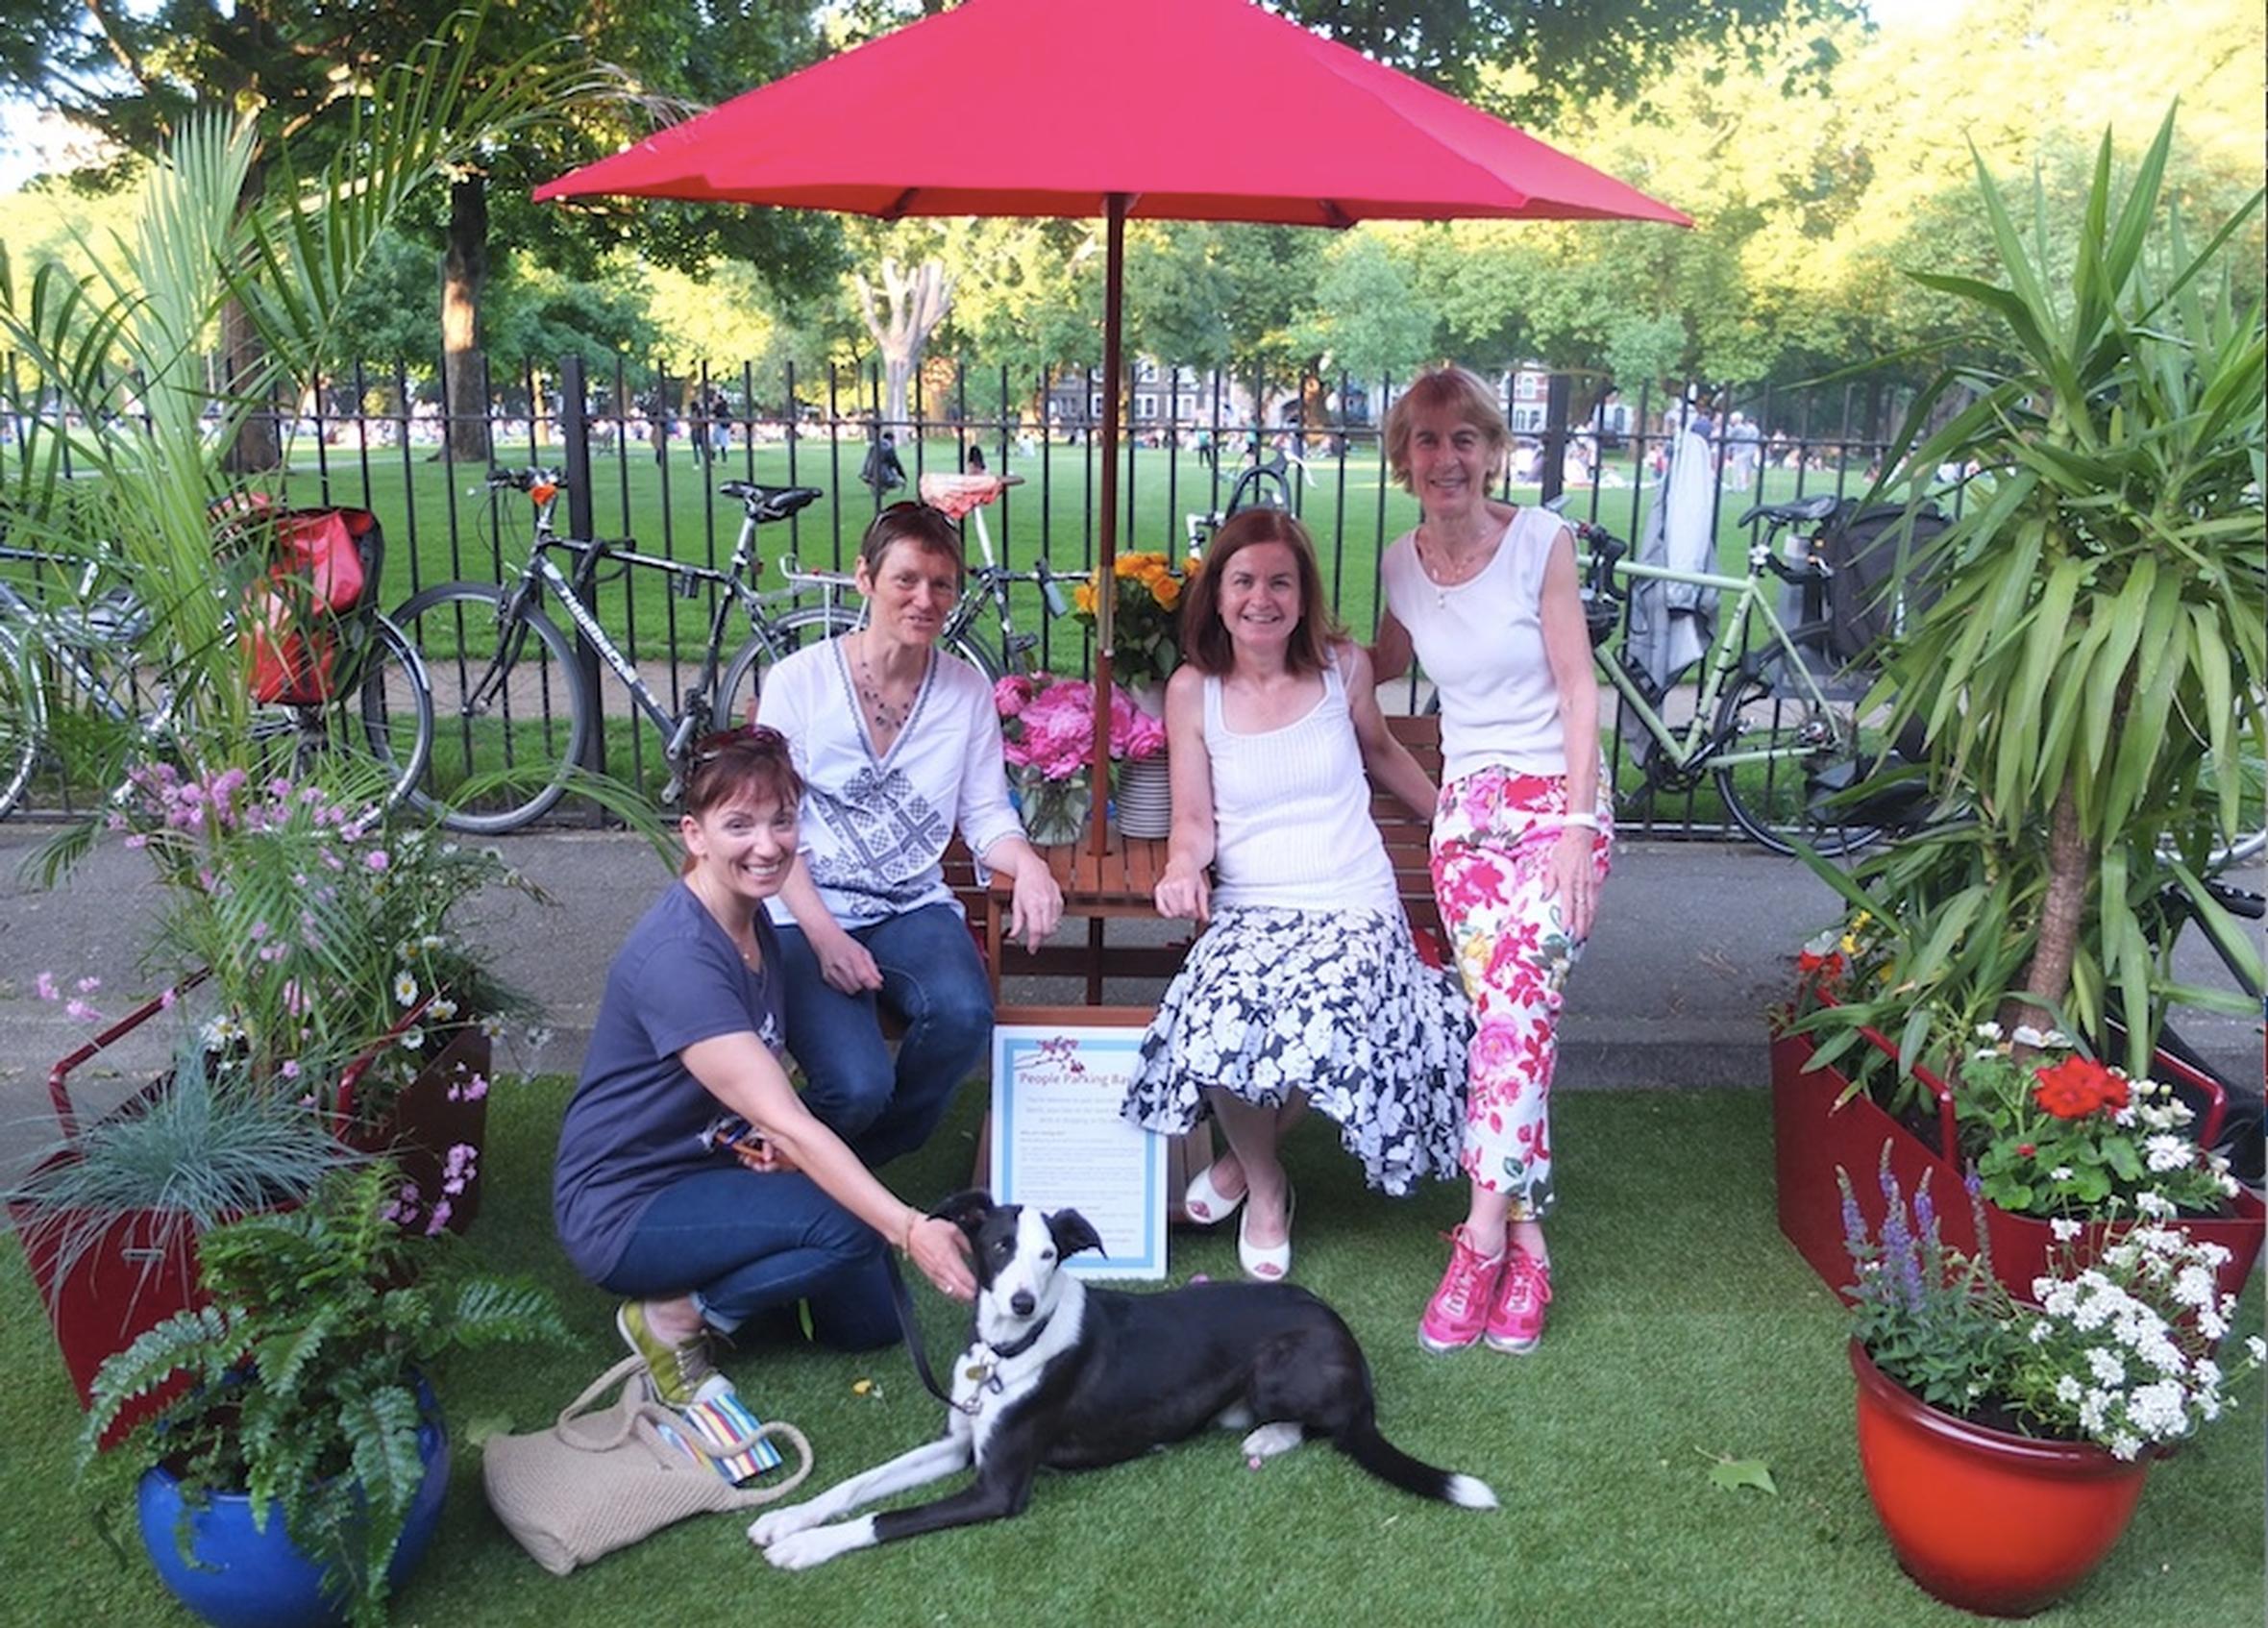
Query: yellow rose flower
[(1082, 599)]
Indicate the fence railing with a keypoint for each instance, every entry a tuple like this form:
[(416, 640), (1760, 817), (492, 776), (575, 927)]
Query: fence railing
[(644, 452)]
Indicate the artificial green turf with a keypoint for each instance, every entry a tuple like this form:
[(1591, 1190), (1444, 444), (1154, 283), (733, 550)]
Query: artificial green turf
[(1684, 1329)]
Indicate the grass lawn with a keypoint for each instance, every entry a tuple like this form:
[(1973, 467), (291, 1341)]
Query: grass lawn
[(1686, 1330)]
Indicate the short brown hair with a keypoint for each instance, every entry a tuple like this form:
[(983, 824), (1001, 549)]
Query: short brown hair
[(1206, 643), (927, 528), (1464, 395)]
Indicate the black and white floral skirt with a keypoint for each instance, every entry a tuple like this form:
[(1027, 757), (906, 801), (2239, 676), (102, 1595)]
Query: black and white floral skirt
[(1332, 1002)]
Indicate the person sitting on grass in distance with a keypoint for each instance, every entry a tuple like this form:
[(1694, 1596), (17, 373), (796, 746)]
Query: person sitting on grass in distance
[(1487, 595), (690, 1176), (1307, 988), (899, 745)]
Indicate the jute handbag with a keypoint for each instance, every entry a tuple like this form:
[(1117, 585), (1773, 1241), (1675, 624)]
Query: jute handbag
[(602, 1478)]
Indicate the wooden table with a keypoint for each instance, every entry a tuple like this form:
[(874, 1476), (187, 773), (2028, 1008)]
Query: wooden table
[(1120, 884)]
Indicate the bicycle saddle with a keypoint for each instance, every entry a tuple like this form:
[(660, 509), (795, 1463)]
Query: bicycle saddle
[(771, 503), (1817, 508), (955, 495)]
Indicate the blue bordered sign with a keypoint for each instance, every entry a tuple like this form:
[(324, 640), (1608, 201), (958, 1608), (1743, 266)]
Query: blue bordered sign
[(1058, 1077)]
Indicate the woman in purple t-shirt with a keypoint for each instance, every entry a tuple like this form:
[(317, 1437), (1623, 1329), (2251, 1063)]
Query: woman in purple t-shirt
[(691, 1178)]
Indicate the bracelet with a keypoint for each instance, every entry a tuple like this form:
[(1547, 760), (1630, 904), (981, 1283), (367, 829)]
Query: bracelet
[(905, 1244), (1579, 817)]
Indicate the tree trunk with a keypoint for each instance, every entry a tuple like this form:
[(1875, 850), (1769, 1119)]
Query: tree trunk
[(918, 302), (464, 369), (2061, 912), (259, 446)]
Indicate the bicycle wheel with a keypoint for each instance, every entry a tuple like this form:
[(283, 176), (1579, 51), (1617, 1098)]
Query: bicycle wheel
[(979, 656), (23, 710), (510, 718), (395, 710), (1802, 749), (743, 675)]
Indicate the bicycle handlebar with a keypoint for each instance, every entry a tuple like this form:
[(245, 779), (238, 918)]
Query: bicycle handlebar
[(523, 480)]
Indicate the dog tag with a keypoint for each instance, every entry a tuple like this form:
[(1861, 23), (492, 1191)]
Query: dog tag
[(977, 1373)]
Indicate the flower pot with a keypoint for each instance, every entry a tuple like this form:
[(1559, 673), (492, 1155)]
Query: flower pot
[(1813, 1135), (1144, 799), (437, 1132), (1985, 1520), (237, 1575)]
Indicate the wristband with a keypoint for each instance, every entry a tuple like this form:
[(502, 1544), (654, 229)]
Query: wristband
[(905, 1244), (1588, 821)]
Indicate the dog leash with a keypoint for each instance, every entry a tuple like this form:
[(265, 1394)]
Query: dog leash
[(901, 1301)]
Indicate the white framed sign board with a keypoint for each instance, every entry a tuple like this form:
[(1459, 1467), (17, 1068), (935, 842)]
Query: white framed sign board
[(1058, 1077)]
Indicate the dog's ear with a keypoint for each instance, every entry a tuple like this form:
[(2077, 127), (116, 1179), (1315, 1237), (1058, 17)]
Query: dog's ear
[(1073, 1233), (965, 1210)]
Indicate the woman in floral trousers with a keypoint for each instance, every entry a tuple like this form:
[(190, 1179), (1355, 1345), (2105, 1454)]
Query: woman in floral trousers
[(1487, 595)]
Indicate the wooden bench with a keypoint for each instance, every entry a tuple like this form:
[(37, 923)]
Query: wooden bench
[(1119, 884)]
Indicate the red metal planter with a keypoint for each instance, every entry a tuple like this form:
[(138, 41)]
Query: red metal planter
[(1811, 1136), (142, 1266), (1985, 1520)]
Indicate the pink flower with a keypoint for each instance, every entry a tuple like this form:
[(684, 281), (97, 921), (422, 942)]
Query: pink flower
[(377, 859), (43, 986), (78, 1012)]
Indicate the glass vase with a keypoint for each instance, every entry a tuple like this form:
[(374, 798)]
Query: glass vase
[(1054, 811)]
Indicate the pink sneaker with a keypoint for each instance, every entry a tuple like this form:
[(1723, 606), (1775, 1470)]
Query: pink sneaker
[(1459, 1309), (1516, 1320)]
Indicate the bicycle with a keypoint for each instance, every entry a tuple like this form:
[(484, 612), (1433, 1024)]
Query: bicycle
[(962, 497), (1779, 742), (1264, 485), (516, 709), (59, 633)]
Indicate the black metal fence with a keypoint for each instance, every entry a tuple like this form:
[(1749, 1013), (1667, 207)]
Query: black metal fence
[(643, 451)]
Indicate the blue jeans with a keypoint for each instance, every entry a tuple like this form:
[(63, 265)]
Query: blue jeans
[(932, 978), (740, 1243)]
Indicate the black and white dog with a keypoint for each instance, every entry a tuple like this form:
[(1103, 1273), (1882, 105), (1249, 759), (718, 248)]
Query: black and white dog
[(1062, 1375)]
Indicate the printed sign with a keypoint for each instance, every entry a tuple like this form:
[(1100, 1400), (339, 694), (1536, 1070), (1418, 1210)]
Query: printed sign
[(1059, 1074)]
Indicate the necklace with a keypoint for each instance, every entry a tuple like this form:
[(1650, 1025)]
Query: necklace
[(1445, 573), (889, 716)]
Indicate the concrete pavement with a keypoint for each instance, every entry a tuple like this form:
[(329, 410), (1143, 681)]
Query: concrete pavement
[(1695, 941)]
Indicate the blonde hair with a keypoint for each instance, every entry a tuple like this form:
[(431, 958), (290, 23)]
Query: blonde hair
[(1464, 396)]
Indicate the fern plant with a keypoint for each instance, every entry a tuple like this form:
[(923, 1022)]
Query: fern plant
[(306, 1373)]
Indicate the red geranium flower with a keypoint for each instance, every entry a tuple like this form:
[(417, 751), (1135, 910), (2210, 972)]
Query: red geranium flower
[(2077, 1087)]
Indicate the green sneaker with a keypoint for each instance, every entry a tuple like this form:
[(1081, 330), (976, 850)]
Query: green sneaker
[(681, 1375)]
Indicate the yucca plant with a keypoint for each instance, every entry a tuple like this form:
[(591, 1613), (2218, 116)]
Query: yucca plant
[(2092, 669), (304, 1372)]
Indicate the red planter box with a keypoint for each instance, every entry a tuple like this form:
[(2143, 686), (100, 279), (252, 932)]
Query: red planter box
[(1811, 1137), (142, 1267)]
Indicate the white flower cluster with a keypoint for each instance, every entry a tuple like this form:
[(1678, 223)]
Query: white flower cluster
[(2124, 1346)]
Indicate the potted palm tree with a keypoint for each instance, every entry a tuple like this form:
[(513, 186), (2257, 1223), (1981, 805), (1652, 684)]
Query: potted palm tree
[(2090, 676)]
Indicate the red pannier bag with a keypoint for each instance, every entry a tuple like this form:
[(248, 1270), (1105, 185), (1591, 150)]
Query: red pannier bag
[(325, 560)]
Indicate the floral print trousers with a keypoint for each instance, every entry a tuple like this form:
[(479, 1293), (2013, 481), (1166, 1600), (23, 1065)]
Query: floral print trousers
[(1493, 837)]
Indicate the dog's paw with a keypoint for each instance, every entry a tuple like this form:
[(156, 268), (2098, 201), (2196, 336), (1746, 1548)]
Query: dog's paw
[(768, 1529), (1271, 1439), (800, 1551)]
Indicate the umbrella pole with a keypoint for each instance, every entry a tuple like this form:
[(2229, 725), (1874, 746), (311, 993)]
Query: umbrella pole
[(1106, 596)]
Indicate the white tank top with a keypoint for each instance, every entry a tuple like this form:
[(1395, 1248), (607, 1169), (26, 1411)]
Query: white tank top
[(1291, 826), (1482, 644)]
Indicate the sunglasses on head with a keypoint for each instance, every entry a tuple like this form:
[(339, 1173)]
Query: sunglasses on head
[(746, 738)]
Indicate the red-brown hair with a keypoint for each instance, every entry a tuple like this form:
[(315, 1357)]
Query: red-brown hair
[(1205, 643)]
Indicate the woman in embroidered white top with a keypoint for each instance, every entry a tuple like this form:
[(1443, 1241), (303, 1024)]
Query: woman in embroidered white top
[(898, 744), (1306, 988), (1488, 596)]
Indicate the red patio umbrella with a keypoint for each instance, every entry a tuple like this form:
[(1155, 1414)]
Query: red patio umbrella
[(1164, 110)]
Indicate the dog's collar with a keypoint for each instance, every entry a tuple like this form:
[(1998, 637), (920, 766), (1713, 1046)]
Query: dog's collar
[(1017, 1346)]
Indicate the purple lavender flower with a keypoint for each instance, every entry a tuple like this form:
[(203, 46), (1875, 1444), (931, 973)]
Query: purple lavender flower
[(1899, 1256)]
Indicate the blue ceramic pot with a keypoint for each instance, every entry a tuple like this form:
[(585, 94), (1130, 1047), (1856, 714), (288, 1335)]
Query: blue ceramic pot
[(237, 1576)]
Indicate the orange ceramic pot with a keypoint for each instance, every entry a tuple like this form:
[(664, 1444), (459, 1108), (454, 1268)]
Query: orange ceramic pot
[(1982, 1519)]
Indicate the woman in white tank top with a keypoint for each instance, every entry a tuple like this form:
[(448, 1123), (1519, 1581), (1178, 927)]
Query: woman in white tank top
[(1488, 596), (1306, 989)]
